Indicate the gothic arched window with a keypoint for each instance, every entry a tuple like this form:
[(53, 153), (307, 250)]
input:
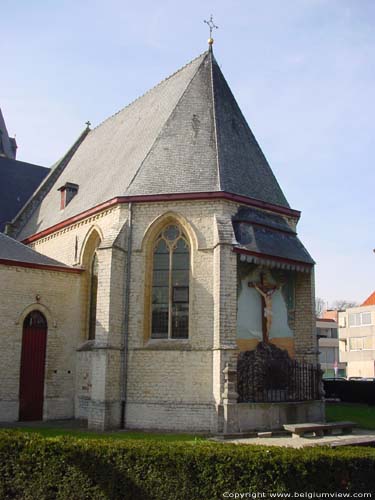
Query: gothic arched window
[(170, 285), (93, 296)]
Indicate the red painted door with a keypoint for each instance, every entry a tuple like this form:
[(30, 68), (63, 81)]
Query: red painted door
[(33, 356)]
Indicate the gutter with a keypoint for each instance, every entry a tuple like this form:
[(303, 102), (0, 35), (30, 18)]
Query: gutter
[(125, 333)]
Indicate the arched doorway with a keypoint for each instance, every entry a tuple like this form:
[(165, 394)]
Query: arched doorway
[(33, 356)]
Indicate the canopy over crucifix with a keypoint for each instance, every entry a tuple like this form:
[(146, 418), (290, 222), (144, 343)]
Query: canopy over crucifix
[(266, 291)]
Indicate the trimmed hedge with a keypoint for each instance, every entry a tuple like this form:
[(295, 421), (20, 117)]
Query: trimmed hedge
[(33, 467)]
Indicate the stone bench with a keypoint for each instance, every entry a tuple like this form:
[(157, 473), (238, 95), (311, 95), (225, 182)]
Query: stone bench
[(319, 430)]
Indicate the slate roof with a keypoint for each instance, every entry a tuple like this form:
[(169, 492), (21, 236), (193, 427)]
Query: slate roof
[(370, 301), (18, 181), (186, 135), (268, 235), (8, 145), (12, 250)]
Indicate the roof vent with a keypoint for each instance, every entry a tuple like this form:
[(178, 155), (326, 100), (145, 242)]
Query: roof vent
[(68, 191)]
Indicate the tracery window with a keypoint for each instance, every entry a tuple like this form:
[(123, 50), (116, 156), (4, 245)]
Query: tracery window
[(170, 285), (93, 296)]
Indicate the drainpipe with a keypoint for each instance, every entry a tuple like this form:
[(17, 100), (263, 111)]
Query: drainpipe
[(125, 341)]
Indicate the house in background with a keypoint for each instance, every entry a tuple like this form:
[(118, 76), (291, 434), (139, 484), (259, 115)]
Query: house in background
[(18, 179), (327, 333), (357, 338)]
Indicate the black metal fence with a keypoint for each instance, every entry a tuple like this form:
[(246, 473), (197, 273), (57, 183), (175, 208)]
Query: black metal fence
[(277, 380), (350, 391)]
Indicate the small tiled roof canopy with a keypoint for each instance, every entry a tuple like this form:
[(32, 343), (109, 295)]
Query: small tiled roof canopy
[(186, 135), (266, 238)]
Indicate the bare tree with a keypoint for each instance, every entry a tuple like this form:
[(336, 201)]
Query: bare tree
[(320, 305), (340, 305)]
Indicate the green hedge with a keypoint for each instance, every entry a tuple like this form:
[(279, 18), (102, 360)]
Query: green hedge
[(33, 467)]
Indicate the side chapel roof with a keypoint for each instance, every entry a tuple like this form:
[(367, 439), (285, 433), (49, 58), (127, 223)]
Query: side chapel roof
[(186, 135), (13, 252)]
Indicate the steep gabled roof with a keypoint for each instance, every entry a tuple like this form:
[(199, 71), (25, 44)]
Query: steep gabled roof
[(18, 181), (186, 135), (370, 301)]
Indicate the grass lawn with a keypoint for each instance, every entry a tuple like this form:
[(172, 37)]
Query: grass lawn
[(81, 434), (363, 415)]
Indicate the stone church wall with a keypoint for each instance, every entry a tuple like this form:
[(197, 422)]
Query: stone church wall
[(170, 382), (58, 297), (67, 244)]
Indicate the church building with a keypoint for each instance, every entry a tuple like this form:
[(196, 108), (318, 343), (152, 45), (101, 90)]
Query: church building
[(158, 251)]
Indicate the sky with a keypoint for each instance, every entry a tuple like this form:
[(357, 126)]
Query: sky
[(302, 71)]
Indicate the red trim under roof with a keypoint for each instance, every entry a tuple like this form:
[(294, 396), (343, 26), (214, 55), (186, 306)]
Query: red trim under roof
[(272, 257), (45, 267), (215, 195)]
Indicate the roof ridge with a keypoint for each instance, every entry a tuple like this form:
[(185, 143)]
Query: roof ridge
[(22, 217), (150, 90), (169, 116), (251, 148), (212, 57)]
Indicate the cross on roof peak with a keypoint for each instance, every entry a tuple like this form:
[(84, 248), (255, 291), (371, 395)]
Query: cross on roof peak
[(212, 26)]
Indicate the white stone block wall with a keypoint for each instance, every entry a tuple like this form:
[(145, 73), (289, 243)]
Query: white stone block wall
[(59, 294), (171, 384)]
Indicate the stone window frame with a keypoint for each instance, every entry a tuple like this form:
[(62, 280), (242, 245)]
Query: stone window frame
[(171, 242), (93, 296), (89, 249), (151, 236)]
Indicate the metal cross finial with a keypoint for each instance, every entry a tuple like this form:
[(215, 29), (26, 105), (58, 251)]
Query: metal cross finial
[(88, 123), (212, 26)]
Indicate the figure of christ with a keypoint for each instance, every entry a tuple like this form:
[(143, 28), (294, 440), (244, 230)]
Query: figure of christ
[(266, 292)]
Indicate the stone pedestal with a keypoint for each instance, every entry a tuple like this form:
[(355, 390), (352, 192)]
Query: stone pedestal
[(230, 397)]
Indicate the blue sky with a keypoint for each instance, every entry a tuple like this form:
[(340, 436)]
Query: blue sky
[(302, 71)]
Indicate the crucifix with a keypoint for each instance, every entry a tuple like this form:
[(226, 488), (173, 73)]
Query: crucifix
[(212, 26), (266, 291)]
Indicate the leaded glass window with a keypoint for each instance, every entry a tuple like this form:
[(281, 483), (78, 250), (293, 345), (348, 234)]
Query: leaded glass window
[(170, 285)]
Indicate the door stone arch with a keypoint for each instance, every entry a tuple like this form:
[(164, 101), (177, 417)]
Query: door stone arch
[(32, 367)]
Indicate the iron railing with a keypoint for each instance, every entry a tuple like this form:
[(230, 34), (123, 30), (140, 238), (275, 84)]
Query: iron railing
[(280, 380)]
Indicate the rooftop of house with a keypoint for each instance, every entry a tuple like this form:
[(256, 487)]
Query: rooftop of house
[(370, 301), (185, 135)]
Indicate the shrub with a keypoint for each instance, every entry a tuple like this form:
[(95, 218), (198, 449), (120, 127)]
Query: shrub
[(32, 467)]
